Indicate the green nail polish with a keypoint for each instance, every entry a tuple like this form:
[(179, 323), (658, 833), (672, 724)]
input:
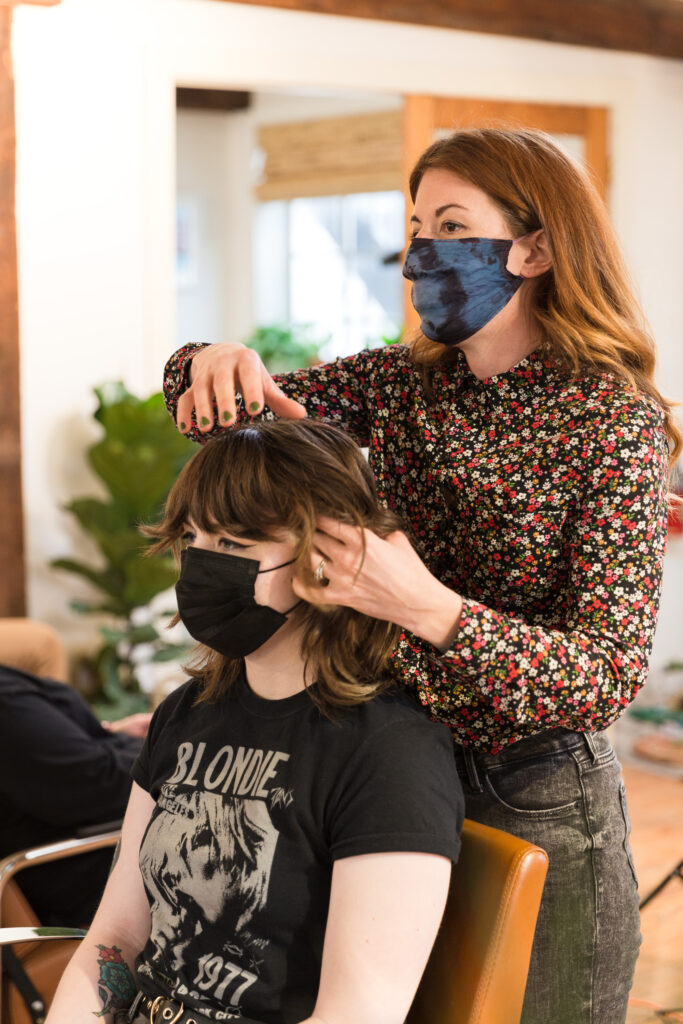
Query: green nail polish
[(183, 426), (227, 416), (204, 421), (254, 406)]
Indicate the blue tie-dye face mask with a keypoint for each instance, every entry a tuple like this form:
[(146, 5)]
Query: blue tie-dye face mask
[(459, 284)]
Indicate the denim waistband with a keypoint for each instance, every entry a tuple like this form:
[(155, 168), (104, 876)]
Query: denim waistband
[(543, 744)]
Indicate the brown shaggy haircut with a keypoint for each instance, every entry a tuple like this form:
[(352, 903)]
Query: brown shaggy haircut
[(257, 480), (584, 305)]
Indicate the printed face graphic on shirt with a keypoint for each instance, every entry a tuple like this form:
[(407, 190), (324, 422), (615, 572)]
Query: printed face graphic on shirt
[(206, 862)]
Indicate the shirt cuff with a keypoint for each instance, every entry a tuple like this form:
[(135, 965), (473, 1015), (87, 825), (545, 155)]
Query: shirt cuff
[(475, 639)]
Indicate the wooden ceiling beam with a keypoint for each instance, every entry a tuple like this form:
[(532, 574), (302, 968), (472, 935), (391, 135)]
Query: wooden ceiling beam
[(654, 27), (224, 101)]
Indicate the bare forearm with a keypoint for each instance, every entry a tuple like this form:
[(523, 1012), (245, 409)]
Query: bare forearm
[(98, 981)]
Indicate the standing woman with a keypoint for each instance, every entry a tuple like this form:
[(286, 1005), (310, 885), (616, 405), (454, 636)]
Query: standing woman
[(522, 437)]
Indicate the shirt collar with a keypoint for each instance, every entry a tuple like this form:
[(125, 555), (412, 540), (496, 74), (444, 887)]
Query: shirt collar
[(531, 374)]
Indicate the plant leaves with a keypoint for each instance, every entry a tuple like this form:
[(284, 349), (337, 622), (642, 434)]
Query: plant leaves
[(171, 653), (146, 634), (138, 458), (105, 580)]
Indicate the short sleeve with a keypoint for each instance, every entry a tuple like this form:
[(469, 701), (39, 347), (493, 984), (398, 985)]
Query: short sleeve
[(143, 770), (400, 792), (140, 770)]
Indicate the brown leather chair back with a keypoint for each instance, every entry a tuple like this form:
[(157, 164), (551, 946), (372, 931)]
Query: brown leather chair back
[(44, 962), (478, 968)]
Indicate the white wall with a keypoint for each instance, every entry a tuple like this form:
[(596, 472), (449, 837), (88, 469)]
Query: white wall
[(95, 86), (216, 168)]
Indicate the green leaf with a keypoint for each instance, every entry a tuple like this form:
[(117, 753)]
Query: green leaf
[(286, 347), (107, 581), (90, 608), (107, 665), (110, 394), (112, 637), (146, 634), (147, 577), (109, 525), (172, 653)]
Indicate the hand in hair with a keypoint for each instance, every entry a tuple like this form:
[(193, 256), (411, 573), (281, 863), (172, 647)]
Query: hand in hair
[(381, 577), (217, 373)]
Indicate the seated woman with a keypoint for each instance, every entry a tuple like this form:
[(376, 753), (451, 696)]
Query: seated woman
[(286, 850)]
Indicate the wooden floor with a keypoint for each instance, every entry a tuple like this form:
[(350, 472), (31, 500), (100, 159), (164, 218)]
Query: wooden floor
[(656, 805)]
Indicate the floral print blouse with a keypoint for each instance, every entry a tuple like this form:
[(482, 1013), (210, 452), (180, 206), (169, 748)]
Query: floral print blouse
[(538, 497)]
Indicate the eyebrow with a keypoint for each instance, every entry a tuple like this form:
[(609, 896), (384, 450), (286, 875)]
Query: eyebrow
[(439, 211)]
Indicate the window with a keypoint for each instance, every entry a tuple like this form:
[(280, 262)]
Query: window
[(332, 263)]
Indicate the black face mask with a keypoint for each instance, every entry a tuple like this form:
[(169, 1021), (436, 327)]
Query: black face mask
[(215, 594)]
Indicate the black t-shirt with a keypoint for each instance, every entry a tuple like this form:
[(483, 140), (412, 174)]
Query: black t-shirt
[(256, 799), (60, 772)]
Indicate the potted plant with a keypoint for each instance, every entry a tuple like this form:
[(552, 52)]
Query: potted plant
[(137, 459), (285, 348)]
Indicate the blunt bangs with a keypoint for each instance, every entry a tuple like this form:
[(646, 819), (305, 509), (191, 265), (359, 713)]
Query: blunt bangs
[(227, 486), (261, 478)]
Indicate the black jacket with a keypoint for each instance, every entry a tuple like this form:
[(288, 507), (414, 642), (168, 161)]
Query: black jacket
[(60, 771)]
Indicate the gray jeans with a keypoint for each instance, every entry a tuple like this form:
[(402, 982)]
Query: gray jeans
[(563, 791)]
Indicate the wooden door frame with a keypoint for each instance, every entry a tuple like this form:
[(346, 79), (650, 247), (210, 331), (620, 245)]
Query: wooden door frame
[(12, 570), (422, 113)]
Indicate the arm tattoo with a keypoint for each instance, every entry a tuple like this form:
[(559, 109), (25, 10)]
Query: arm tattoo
[(115, 985)]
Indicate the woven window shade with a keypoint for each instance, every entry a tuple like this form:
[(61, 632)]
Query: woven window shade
[(331, 156)]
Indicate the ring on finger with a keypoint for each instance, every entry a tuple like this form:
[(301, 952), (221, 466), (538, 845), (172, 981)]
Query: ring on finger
[(320, 571)]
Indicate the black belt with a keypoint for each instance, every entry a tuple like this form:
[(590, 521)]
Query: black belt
[(161, 1010)]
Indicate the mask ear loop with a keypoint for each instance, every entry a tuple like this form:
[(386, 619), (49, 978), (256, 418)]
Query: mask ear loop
[(281, 566), (274, 567)]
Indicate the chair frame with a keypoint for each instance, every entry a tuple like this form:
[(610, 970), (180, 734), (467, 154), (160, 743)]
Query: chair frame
[(16, 862)]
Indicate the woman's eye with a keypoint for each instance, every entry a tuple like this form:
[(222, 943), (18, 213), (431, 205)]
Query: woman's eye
[(225, 544), (187, 538), (450, 226)]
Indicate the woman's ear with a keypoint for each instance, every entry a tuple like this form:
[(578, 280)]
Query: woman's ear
[(531, 255)]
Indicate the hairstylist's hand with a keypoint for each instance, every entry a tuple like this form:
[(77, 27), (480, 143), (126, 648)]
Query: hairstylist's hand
[(217, 372), (391, 582)]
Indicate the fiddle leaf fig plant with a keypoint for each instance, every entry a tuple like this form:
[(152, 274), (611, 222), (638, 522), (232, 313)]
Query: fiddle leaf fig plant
[(137, 459)]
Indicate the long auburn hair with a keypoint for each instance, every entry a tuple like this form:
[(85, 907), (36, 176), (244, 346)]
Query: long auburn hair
[(258, 480), (584, 306)]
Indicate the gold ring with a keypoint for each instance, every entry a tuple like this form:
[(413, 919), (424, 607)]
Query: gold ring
[(320, 571)]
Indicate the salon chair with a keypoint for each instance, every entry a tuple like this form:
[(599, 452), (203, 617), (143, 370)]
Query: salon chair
[(478, 968), (41, 960)]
